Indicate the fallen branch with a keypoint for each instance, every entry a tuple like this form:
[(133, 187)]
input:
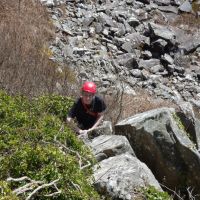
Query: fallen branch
[(33, 186), (27, 187), (19, 179), (41, 187)]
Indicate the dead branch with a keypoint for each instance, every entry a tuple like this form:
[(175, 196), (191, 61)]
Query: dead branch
[(77, 187), (19, 179), (55, 193), (175, 193), (72, 151), (34, 185), (27, 187), (41, 187), (190, 195)]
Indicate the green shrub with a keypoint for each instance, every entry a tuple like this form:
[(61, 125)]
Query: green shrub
[(34, 142), (5, 192), (151, 193)]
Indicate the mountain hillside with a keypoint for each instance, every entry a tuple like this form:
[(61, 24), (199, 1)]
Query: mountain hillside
[(142, 54)]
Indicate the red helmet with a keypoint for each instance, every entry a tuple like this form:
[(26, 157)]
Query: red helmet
[(89, 87)]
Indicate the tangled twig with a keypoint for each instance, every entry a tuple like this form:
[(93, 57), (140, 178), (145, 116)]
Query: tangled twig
[(33, 186), (72, 151)]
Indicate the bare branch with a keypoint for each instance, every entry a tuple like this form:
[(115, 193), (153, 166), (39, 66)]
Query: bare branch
[(74, 152), (27, 187), (190, 196), (33, 185), (175, 193), (77, 187), (41, 187), (19, 179), (55, 193)]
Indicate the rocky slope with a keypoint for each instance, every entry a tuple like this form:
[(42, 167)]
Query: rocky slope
[(151, 44)]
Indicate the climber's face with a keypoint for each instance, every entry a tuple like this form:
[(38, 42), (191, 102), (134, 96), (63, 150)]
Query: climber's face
[(87, 97)]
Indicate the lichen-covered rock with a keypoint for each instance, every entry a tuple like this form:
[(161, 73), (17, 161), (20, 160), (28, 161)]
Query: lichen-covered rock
[(106, 146), (120, 175), (166, 142)]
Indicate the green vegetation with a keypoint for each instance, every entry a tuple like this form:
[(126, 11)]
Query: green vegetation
[(178, 121), (37, 147), (184, 130), (151, 193)]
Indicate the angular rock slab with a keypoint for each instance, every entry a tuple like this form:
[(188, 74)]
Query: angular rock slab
[(106, 146), (158, 139), (162, 32), (119, 176)]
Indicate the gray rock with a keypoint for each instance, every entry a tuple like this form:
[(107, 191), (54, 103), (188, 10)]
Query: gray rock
[(145, 1), (98, 27), (118, 176), (80, 51), (51, 3), (162, 32), (177, 2), (147, 64), (186, 7), (128, 47), (128, 60), (162, 2), (158, 140), (66, 30), (159, 42), (137, 40), (105, 19), (87, 21), (106, 146), (168, 9), (156, 68), (133, 21), (180, 70), (121, 30), (146, 55), (104, 129), (136, 73), (168, 59), (130, 2)]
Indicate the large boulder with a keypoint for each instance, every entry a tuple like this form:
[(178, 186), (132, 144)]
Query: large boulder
[(120, 175), (106, 146), (159, 139)]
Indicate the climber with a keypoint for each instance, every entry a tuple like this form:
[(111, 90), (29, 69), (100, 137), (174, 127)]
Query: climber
[(88, 110)]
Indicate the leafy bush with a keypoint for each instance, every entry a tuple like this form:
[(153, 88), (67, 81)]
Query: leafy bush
[(37, 147), (6, 193), (151, 193)]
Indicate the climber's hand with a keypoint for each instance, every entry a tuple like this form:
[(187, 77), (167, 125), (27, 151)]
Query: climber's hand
[(82, 132)]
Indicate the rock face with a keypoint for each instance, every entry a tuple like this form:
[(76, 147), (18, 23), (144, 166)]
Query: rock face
[(119, 172), (119, 176), (158, 138), (106, 146), (130, 41)]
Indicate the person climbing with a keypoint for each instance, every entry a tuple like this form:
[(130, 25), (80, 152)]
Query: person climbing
[(88, 110)]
